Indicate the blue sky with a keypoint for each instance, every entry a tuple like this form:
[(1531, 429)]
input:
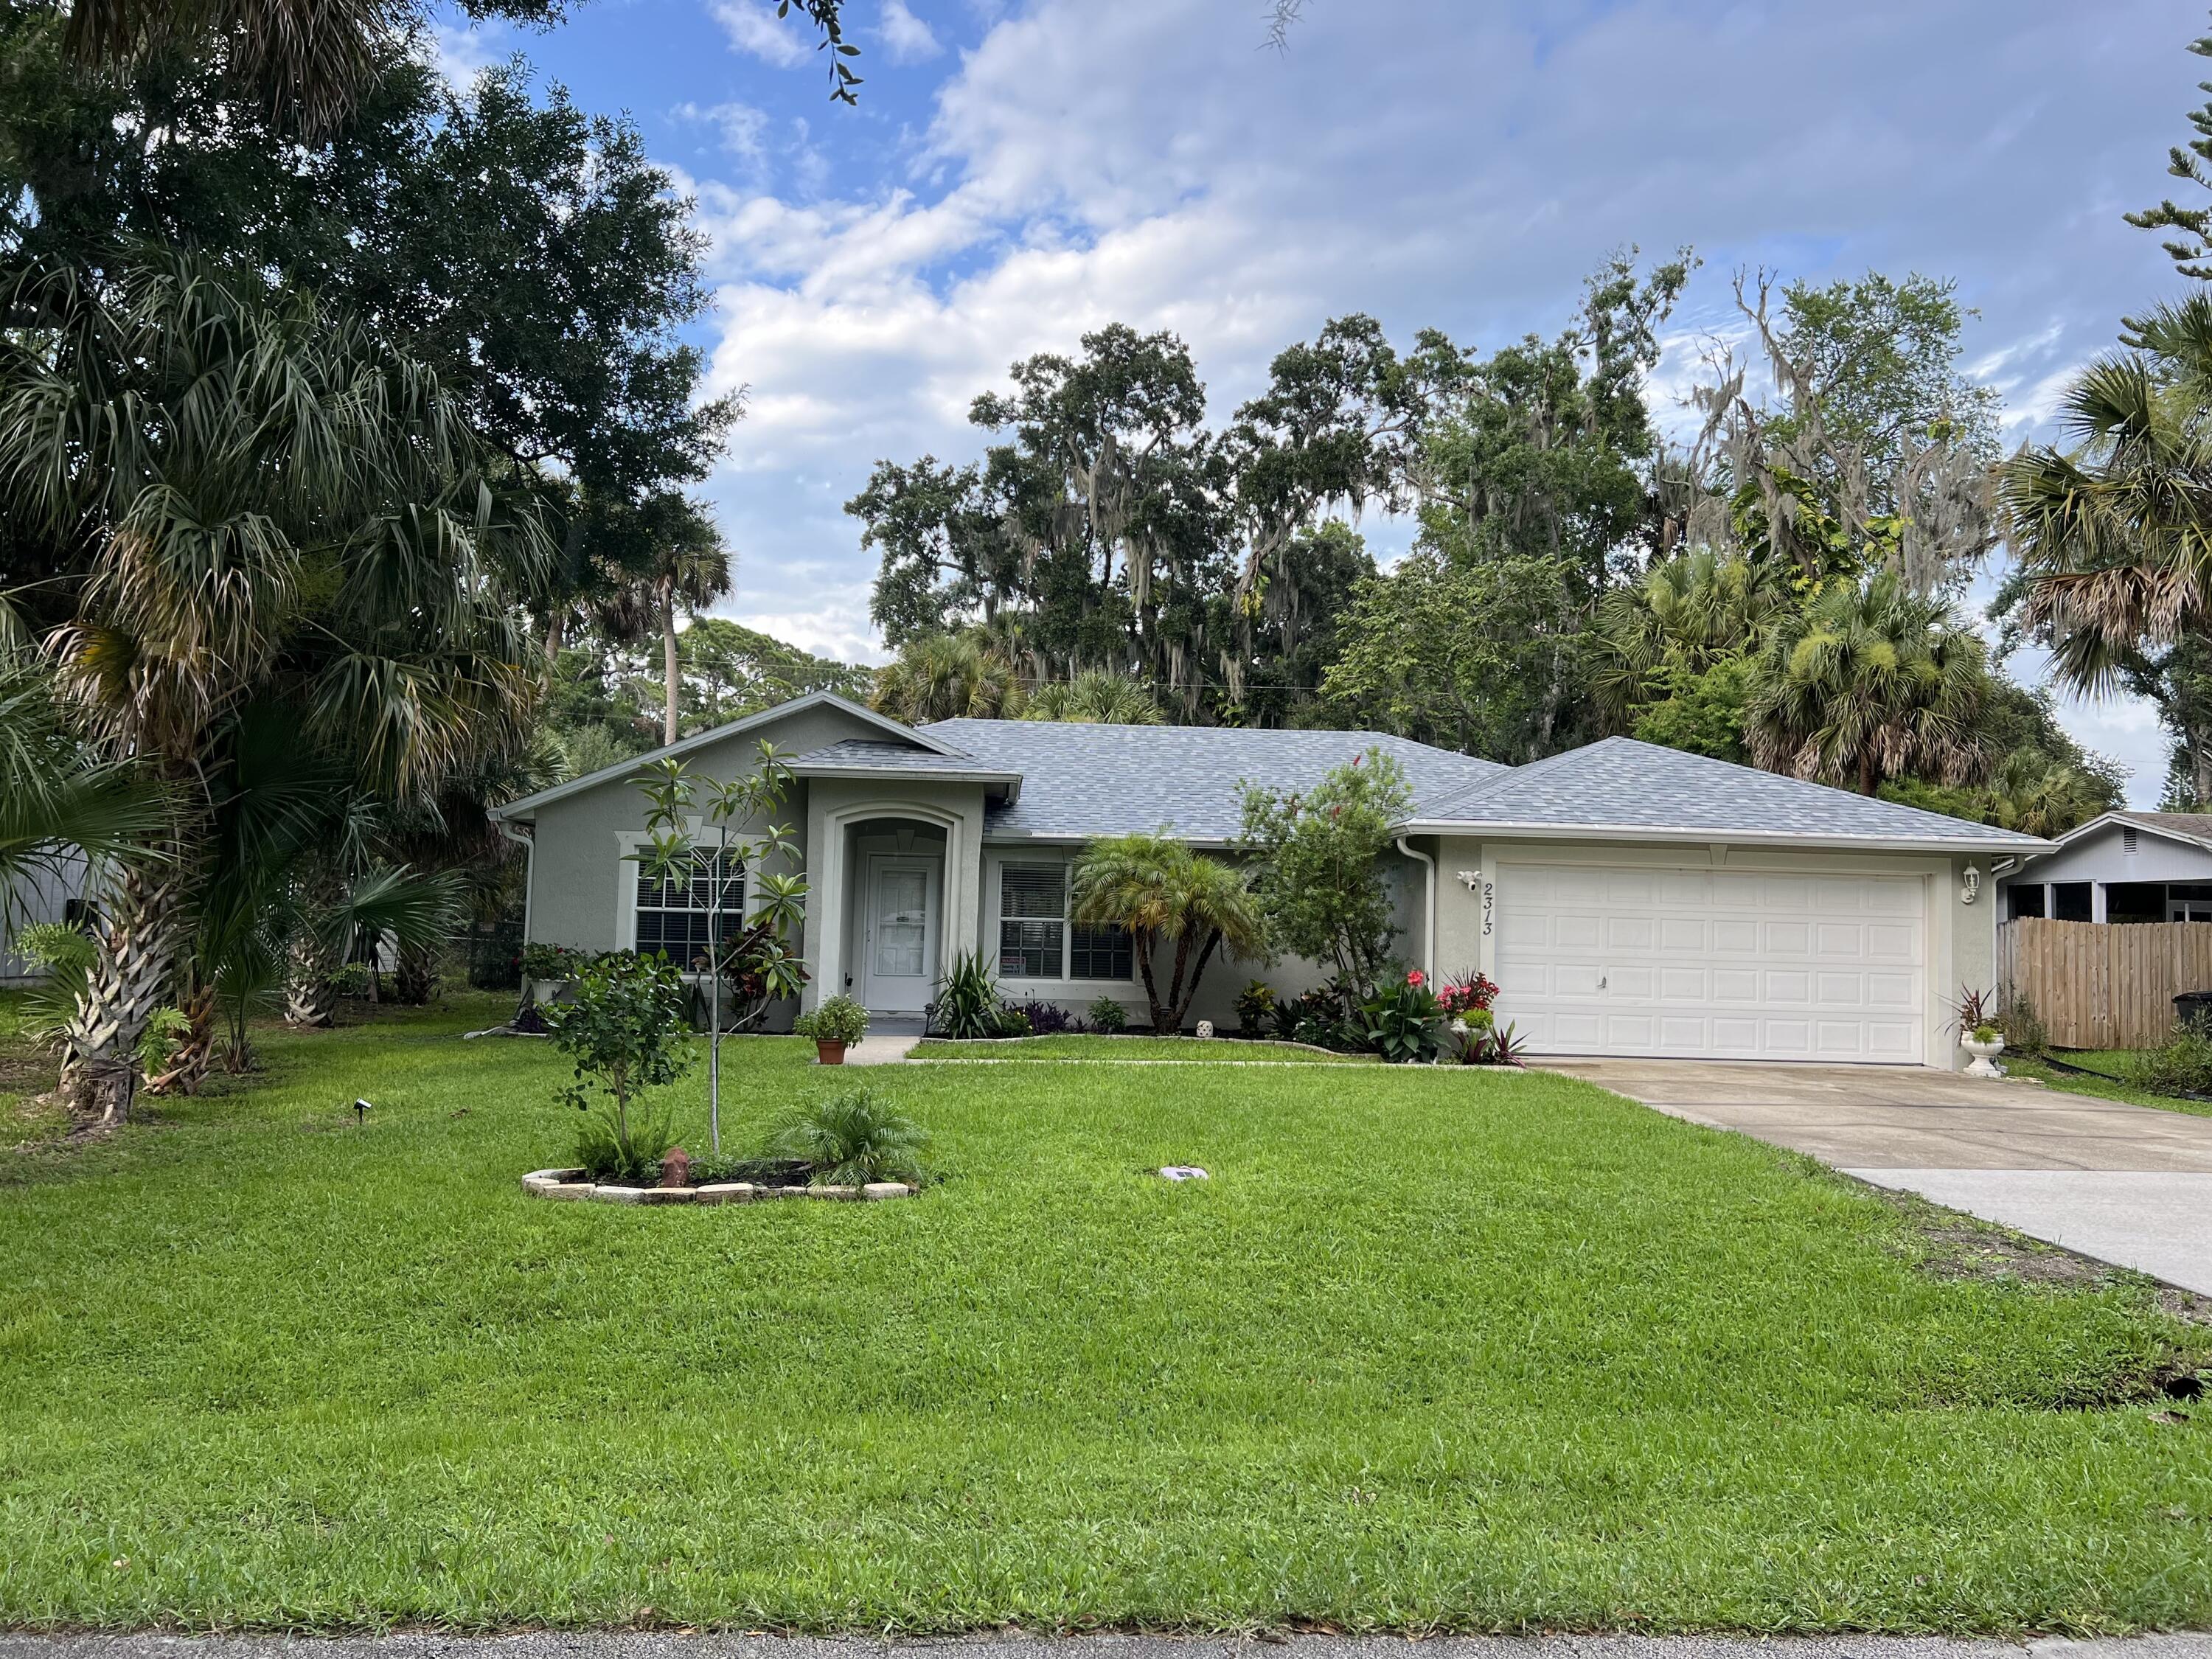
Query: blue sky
[(1021, 171)]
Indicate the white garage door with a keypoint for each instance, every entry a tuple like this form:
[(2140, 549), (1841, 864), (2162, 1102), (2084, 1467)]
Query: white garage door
[(1712, 963)]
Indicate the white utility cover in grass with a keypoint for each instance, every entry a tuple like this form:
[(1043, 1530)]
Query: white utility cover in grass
[(1715, 965)]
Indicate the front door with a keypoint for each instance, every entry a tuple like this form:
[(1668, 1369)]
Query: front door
[(900, 950)]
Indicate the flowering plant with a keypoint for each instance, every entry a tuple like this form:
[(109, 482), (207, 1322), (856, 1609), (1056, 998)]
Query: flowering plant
[(1473, 993)]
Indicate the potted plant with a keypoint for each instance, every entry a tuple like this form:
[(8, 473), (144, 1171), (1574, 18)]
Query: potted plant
[(837, 1022), (548, 967), (1977, 1032)]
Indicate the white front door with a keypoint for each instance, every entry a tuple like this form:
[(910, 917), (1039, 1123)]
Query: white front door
[(899, 950), (1713, 963)]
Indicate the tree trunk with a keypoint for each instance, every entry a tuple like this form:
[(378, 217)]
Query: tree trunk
[(1197, 973), (1141, 942), (415, 975), (188, 1066), (669, 663), (133, 956), (557, 632)]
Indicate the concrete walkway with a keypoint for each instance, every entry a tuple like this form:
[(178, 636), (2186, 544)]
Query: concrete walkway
[(2126, 1184), (887, 1041), (622, 1644)]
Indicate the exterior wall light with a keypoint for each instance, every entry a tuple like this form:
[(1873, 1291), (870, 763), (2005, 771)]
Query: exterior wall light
[(1971, 888)]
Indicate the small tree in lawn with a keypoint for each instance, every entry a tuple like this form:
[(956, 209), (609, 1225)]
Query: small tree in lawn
[(758, 956), (1316, 867), (1162, 894), (625, 1029)]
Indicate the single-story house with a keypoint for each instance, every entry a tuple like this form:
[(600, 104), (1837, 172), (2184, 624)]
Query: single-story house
[(2124, 866), (1629, 899)]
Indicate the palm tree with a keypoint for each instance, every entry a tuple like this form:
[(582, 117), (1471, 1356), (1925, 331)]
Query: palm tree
[(1161, 892), (1867, 683), (942, 676), (1094, 697), (2114, 537), (268, 507), (1687, 613)]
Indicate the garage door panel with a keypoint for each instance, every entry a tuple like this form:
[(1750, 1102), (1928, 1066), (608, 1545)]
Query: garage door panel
[(1713, 963)]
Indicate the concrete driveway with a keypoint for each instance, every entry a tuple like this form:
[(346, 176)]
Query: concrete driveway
[(2126, 1184)]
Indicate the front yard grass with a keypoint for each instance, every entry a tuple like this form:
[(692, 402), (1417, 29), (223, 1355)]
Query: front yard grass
[(1203, 1051), (1471, 1351), (2107, 1081)]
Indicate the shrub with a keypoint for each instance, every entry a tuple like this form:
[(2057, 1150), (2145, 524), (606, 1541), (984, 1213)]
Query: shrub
[(1471, 992), (967, 1003), (1486, 1045), (1257, 1008), (850, 1139), (1317, 1019), (1403, 1022), (1045, 1018), (350, 979), (1012, 1022), (2180, 1066), (839, 1019), (1109, 1017), (1316, 859), (2024, 1030), (625, 1031), (550, 961)]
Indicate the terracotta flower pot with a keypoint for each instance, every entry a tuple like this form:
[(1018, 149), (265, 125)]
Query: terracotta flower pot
[(829, 1054)]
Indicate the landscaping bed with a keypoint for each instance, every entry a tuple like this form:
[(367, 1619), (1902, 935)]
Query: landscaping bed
[(1506, 1354), (1212, 1051)]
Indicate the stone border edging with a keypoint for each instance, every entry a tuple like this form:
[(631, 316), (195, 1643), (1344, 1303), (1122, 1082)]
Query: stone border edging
[(570, 1184), (1149, 1037)]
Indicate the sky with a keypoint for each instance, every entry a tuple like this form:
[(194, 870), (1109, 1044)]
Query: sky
[(1020, 171)]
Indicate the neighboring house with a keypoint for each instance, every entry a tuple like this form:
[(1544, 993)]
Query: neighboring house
[(40, 895), (2122, 867), (1629, 899)]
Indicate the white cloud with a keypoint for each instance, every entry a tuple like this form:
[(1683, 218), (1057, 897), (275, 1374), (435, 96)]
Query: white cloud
[(1144, 162), (906, 37), (460, 54), (754, 27), (743, 129)]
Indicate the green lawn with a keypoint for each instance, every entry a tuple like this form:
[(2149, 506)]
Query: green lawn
[(1442, 1351), (1207, 1051), (2109, 1064)]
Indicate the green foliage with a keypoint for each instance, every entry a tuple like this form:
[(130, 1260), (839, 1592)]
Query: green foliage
[(1107, 1017), (838, 1020), (555, 962), (1482, 656), (1403, 1021), (1095, 698), (2191, 247), (1257, 1007), (2182, 1065), (350, 979), (1485, 1044), (968, 1003), (851, 1138), (626, 1030), (1867, 683), (942, 676), (1316, 865), (1163, 895), (1700, 711), (164, 1030)]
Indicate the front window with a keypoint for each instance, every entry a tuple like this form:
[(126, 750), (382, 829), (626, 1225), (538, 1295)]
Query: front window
[(1036, 940), (675, 915)]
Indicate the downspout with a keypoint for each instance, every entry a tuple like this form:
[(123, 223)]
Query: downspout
[(1428, 907), (529, 846)]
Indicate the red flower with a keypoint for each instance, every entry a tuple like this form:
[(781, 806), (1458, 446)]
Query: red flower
[(1417, 979)]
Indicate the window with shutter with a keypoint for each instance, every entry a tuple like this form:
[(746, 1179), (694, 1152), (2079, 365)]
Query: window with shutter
[(1037, 940), (1032, 920), (675, 915)]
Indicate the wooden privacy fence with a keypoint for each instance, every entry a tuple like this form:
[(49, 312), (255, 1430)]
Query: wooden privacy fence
[(2098, 984)]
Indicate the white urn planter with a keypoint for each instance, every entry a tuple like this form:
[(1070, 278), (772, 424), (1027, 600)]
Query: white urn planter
[(543, 991), (1984, 1053)]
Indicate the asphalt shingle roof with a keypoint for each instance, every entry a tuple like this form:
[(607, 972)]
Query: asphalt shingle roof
[(864, 755), (1622, 783), (1082, 780)]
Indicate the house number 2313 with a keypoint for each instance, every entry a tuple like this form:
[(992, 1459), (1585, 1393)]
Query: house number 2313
[(1489, 903)]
